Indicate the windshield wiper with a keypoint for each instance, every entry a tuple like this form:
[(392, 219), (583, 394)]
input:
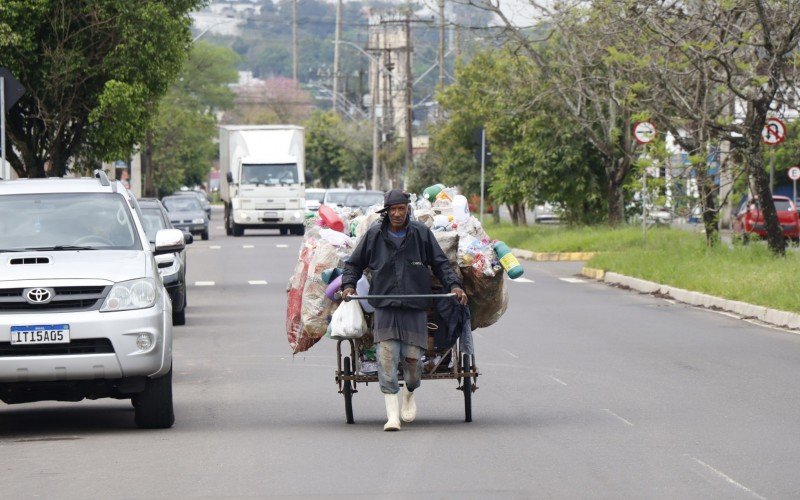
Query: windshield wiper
[(61, 247), (12, 250)]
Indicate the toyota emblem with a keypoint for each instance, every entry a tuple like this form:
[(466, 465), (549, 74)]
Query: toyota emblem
[(39, 295)]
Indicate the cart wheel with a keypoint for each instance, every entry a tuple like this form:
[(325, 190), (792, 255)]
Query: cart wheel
[(347, 390), (467, 388)]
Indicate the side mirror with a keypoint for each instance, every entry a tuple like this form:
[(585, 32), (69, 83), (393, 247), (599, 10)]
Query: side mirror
[(229, 177), (168, 241), (188, 238)]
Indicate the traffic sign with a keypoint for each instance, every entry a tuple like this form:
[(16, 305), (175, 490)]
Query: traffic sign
[(774, 132), (794, 173), (644, 132), (13, 89)]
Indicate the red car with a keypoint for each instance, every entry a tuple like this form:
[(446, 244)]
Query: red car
[(750, 220)]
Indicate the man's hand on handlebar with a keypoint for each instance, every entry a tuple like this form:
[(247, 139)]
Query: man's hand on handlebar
[(461, 295), (347, 292)]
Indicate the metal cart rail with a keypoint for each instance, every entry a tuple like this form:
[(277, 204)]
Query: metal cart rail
[(453, 365)]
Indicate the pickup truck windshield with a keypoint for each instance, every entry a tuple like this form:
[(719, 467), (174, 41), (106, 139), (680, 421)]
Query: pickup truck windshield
[(269, 174)]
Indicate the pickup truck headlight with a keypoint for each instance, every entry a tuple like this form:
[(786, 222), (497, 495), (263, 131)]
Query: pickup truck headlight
[(128, 295)]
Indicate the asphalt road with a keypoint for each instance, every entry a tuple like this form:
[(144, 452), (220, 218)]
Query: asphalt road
[(586, 391)]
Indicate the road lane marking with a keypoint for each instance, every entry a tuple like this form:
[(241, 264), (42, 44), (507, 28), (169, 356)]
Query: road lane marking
[(521, 280), (257, 282), (726, 477), (511, 354), (204, 283), (248, 246), (215, 247), (281, 246), (572, 280), (558, 380), (627, 422)]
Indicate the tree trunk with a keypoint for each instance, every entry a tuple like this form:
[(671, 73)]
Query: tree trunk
[(773, 229), (616, 210), (147, 164), (710, 215), (513, 212), (523, 219)]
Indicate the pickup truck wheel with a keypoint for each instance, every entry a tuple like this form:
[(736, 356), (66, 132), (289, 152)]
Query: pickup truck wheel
[(153, 406), (204, 235)]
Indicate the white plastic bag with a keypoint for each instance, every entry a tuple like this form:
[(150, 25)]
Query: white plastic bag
[(348, 321)]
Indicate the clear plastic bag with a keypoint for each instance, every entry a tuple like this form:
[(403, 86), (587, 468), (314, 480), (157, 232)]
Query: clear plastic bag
[(348, 321)]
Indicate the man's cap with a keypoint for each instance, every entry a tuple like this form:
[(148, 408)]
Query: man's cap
[(395, 197)]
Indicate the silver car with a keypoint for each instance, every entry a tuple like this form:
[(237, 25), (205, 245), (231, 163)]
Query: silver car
[(83, 313)]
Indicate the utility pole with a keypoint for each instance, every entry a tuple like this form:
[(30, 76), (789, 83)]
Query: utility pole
[(374, 37), (338, 37), (440, 87), (294, 41), (409, 103)]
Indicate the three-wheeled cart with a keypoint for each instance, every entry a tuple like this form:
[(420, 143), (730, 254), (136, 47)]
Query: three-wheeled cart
[(447, 364)]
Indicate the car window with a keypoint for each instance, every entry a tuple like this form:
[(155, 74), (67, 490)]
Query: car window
[(364, 199), (335, 198), (315, 196), (783, 205), (181, 204), (45, 221), (152, 222)]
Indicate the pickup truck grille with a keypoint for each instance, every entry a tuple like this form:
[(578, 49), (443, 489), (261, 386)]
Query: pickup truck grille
[(76, 346), (66, 298)]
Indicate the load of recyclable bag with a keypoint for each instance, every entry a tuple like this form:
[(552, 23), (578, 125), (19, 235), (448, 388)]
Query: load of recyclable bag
[(294, 290), (317, 309), (348, 321), (488, 296)]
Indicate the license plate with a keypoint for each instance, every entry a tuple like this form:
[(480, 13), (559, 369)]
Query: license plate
[(269, 215), (40, 334)]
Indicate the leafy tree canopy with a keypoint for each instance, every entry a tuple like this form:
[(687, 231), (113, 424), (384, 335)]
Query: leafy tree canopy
[(93, 70)]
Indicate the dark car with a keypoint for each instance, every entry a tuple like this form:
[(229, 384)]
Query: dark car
[(186, 214), (750, 220), (171, 266), (201, 197)]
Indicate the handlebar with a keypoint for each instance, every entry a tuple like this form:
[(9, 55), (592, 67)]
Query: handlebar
[(419, 296)]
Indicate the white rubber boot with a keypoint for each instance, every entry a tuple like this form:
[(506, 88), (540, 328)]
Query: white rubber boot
[(409, 411), (392, 412)]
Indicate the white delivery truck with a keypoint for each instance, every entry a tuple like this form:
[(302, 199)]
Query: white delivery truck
[(262, 177)]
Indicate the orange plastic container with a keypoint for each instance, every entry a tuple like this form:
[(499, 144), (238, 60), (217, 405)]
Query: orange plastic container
[(330, 219)]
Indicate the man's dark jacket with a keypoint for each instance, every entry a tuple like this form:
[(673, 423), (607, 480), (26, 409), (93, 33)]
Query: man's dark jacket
[(399, 270)]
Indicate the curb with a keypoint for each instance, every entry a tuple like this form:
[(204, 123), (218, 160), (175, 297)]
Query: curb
[(552, 256), (776, 317)]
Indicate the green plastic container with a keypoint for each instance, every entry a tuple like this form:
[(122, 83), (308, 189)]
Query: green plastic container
[(431, 192), (508, 261)]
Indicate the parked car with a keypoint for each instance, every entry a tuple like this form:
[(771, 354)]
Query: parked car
[(82, 309), (314, 197), (750, 220), (545, 213), (186, 214), (171, 266), (201, 197), (353, 198)]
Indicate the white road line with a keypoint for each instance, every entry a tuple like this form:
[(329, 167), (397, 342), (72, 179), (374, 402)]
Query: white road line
[(558, 380), (521, 280), (281, 246), (511, 354), (215, 247), (204, 283), (257, 282), (627, 422), (726, 477), (248, 246), (572, 280)]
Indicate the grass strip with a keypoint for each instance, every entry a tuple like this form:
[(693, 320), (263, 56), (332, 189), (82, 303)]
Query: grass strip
[(673, 257)]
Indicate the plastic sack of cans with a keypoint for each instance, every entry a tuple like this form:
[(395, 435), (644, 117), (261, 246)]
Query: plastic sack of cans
[(332, 235)]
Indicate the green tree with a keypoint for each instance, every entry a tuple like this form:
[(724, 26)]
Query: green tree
[(92, 70), (182, 145), (322, 148)]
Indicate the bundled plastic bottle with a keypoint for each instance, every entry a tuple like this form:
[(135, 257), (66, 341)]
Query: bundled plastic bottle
[(431, 192), (507, 260)]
